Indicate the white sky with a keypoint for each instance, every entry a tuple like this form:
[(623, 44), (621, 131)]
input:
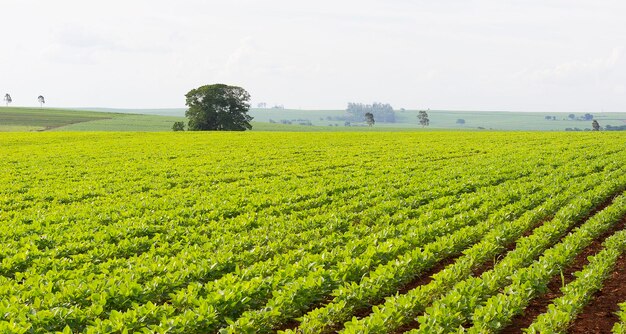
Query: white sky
[(534, 55)]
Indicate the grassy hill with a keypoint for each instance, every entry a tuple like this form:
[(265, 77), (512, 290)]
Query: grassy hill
[(331, 120), (447, 119), (47, 119), (30, 119), (101, 119)]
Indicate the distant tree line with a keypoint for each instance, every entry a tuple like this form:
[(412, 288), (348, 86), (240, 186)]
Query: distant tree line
[(615, 128), (595, 126), (299, 121), (381, 112), (585, 117)]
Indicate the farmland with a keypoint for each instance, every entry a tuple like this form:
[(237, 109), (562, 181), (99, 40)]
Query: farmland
[(48, 119), (355, 232), (100, 119)]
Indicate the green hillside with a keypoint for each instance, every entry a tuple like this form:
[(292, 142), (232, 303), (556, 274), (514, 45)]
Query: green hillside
[(333, 120), (101, 119), (39, 119), (447, 119), (47, 119)]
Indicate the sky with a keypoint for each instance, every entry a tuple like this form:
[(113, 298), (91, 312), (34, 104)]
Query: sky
[(516, 55)]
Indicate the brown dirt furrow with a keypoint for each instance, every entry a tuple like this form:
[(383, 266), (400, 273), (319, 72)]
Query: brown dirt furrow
[(599, 315), (540, 304), (487, 265)]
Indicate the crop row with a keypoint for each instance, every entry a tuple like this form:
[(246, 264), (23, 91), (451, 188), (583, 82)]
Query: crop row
[(391, 277), (292, 303), (563, 310), (527, 283), (250, 232), (32, 291), (248, 287), (455, 308), (401, 309), (620, 327)]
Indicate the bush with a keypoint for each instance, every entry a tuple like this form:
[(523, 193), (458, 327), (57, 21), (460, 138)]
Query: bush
[(178, 126)]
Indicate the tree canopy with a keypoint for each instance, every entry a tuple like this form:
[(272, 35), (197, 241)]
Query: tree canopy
[(218, 107)]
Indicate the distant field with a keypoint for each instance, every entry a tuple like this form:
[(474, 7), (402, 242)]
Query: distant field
[(39, 119), (46, 119), (101, 119), (126, 122), (446, 119), (330, 120)]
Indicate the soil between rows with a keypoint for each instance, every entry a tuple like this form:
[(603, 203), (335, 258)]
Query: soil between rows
[(485, 266), (489, 265), (529, 316), (540, 304), (599, 315)]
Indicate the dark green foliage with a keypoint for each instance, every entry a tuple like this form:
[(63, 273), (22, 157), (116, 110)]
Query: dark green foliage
[(178, 126), (615, 128), (218, 107)]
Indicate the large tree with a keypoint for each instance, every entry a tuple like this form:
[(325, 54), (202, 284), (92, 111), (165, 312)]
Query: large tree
[(7, 99), (41, 100), (218, 107)]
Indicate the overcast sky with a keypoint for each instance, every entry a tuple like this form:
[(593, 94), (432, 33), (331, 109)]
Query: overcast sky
[(530, 55)]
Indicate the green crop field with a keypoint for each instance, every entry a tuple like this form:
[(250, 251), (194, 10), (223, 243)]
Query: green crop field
[(259, 232)]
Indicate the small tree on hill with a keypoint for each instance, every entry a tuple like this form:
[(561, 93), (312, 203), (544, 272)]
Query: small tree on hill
[(369, 118), (7, 99), (595, 125), (41, 100), (423, 118)]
